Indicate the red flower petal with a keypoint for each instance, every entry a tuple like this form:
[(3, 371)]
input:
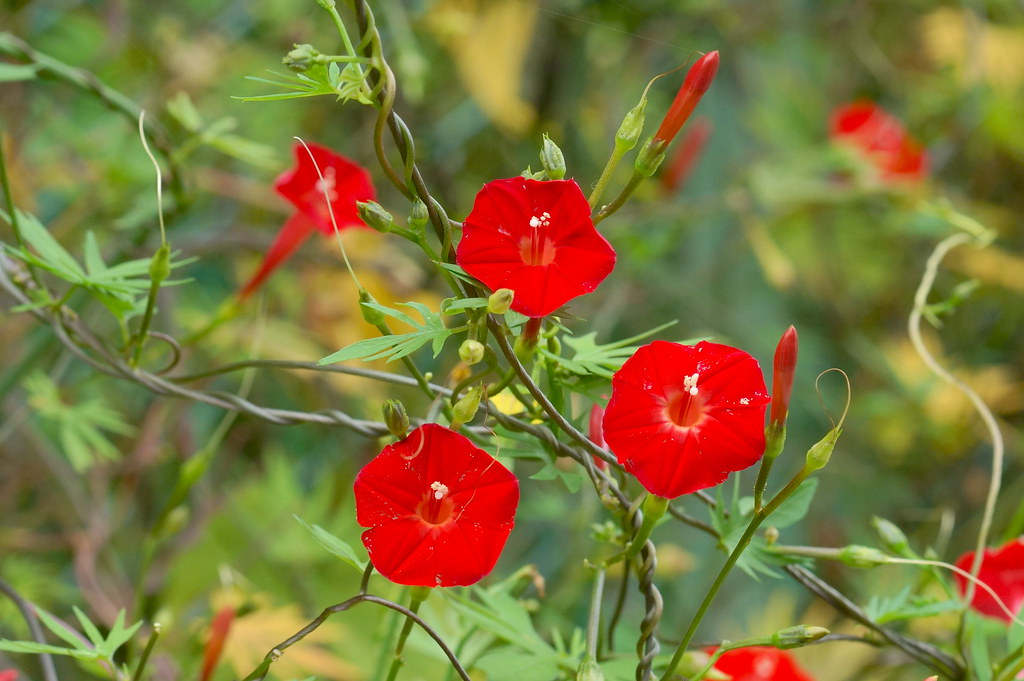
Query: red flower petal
[(1003, 570), (291, 236), (537, 239), (760, 664), (345, 181), (682, 417), (8, 675), (439, 509), (882, 139)]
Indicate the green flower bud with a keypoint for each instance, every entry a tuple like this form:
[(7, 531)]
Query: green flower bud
[(650, 157), (396, 418), (892, 537), (821, 451), (774, 440), (855, 555), (551, 159), (418, 217), (589, 670), (465, 409), (471, 351), (301, 58), (500, 301), (632, 127), (798, 636), (372, 316), (771, 535), (374, 215), (160, 265)]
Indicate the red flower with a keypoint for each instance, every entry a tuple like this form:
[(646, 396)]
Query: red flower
[(439, 509), (345, 183), (698, 80), (882, 139), (1003, 570), (537, 239), (8, 675), (682, 417), (760, 664)]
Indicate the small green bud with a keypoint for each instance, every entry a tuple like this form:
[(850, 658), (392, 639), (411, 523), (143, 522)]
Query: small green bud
[(892, 537), (374, 215), (418, 217), (551, 159), (798, 636), (856, 555), (471, 351), (771, 535), (554, 346), (372, 316), (160, 265), (175, 522), (650, 157), (396, 418), (465, 409), (500, 301), (632, 127), (301, 58), (821, 451), (589, 670), (774, 440)]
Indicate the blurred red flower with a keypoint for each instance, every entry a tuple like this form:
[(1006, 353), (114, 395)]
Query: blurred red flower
[(882, 139), (682, 417), (758, 663), (439, 509), (537, 239), (1003, 570), (344, 182), (8, 675)]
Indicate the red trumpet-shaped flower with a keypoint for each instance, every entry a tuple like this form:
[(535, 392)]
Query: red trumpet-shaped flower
[(1002, 569), (698, 80), (758, 663), (784, 369), (882, 139), (682, 417), (537, 239), (343, 183), (439, 509)]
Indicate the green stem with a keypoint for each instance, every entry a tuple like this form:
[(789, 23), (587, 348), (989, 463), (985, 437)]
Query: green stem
[(730, 562), (150, 644), (621, 199), (654, 508), (414, 606), (12, 213), (606, 175)]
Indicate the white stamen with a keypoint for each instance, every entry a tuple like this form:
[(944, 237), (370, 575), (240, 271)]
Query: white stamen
[(690, 383), (744, 400), (328, 183), (440, 490), (542, 220)]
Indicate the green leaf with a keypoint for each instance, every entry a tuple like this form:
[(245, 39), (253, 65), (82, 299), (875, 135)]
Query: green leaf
[(10, 73), (334, 545), (430, 330), (61, 630), (90, 629), (572, 479), (456, 305), (52, 255), (790, 511), (601, 360), (119, 634), (509, 664), (39, 648)]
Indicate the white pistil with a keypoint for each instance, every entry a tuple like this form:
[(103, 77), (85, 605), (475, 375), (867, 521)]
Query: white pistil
[(327, 184), (440, 490)]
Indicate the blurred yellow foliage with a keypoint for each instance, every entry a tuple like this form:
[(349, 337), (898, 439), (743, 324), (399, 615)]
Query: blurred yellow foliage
[(977, 49), (489, 41)]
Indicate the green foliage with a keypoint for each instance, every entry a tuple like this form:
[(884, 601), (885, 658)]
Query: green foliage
[(396, 346), (91, 647), (346, 84), (592, 359), (906, 605), (81, 425), (334, 545)]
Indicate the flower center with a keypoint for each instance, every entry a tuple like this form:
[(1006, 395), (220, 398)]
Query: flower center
[(686, 409), (436, 506), (538, 249)]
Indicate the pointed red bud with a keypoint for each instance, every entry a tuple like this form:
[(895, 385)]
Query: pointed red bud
[(782, 376), (697, 82)]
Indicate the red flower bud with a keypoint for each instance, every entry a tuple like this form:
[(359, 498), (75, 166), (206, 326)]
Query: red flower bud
[(219, 628), (685, 157), (697, 82), (782, 376), (596, 433)]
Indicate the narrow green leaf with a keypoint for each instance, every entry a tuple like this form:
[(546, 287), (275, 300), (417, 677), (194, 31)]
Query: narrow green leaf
[(334, 545), (10, 73), (88, 627), (39, 648), (61, 630)]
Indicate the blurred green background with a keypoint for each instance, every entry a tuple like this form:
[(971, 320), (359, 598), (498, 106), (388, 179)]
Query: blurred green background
[(775, 226)]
